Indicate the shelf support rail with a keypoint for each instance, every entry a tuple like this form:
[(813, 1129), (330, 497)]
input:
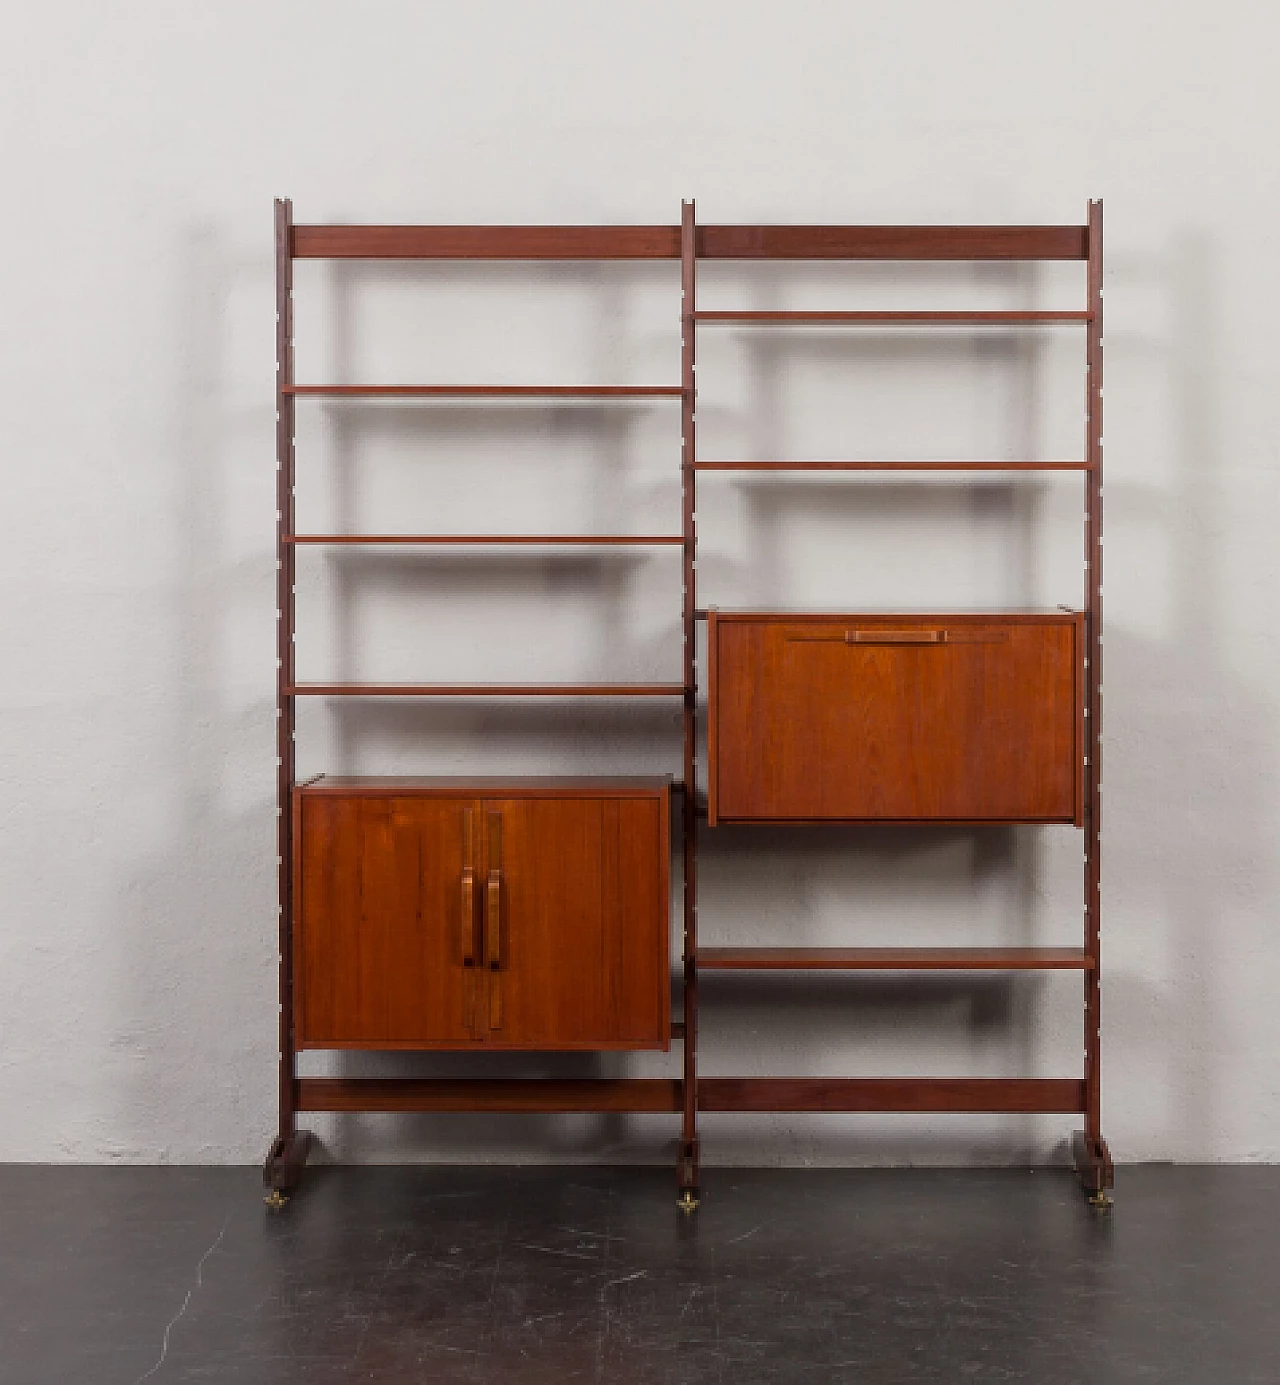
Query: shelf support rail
[(689, 1156), (1093, 1159), (287, 1156)]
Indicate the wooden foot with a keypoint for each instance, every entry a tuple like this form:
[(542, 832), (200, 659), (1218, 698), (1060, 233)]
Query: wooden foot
[(687, 1171), (1092, 1160), (286, 1160)]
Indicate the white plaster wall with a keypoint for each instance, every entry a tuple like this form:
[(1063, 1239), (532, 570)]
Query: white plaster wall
[(143, 143)]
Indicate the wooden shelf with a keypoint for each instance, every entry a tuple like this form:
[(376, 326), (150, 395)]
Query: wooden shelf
[(1025, 318), (528, 540), (893, 959), (893, 466), (485, 690), (488, 391), (996, 1095)]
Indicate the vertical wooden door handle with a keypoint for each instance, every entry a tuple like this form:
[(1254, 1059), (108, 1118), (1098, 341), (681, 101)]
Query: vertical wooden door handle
[(468, 892), (468, 916), (469, 921), (493, 920)]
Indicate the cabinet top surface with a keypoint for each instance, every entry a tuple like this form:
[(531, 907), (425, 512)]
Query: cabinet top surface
[(996, 615), (489, 785)]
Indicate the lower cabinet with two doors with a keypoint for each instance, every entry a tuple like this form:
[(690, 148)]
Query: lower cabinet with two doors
[(478, 913)]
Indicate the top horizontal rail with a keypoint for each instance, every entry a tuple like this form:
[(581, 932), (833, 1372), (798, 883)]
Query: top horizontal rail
[(711, 242), (486, 242), (893, 242)]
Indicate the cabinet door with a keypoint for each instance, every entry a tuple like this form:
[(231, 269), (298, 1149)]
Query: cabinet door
[(575, 923), (382, 922), (901, 718)]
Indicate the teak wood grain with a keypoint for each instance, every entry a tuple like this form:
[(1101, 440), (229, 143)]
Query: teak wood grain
[(583, 932), (380, 925), (862, 718), (534, 920)]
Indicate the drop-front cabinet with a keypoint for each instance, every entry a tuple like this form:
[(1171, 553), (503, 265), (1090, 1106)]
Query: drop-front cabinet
[(896, 718), (451, 913)]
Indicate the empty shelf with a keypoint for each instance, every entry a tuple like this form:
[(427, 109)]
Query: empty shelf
[(486, 391), (548, 540), (854, 317), (485, 690), (893, 466), (893, 959)]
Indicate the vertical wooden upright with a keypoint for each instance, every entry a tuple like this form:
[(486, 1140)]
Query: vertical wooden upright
[(287, 1156), (1093, 1159), (688, 1164)]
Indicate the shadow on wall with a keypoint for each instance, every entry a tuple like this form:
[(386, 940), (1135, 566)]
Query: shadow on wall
[(195, 972), (197, 923)]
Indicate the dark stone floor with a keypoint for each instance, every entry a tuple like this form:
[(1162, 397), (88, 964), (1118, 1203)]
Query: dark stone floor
[(564, 1274)]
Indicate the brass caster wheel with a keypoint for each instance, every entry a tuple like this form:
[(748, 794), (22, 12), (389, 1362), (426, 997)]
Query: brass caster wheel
[(276, 1200), (1100, 1202), (687, 1202)]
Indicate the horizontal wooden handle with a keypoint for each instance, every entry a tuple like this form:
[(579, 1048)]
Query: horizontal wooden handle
[(468, 916), (958, 635), (895, 637)]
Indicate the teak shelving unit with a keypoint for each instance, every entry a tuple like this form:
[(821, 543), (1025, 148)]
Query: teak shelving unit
[(437, 913)]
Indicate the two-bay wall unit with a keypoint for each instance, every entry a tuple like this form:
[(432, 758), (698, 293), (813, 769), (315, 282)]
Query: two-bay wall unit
[(518, 913)]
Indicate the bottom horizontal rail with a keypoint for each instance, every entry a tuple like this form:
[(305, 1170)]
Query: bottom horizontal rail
[(994, 1095), (487, 1094), (978, 1094)]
